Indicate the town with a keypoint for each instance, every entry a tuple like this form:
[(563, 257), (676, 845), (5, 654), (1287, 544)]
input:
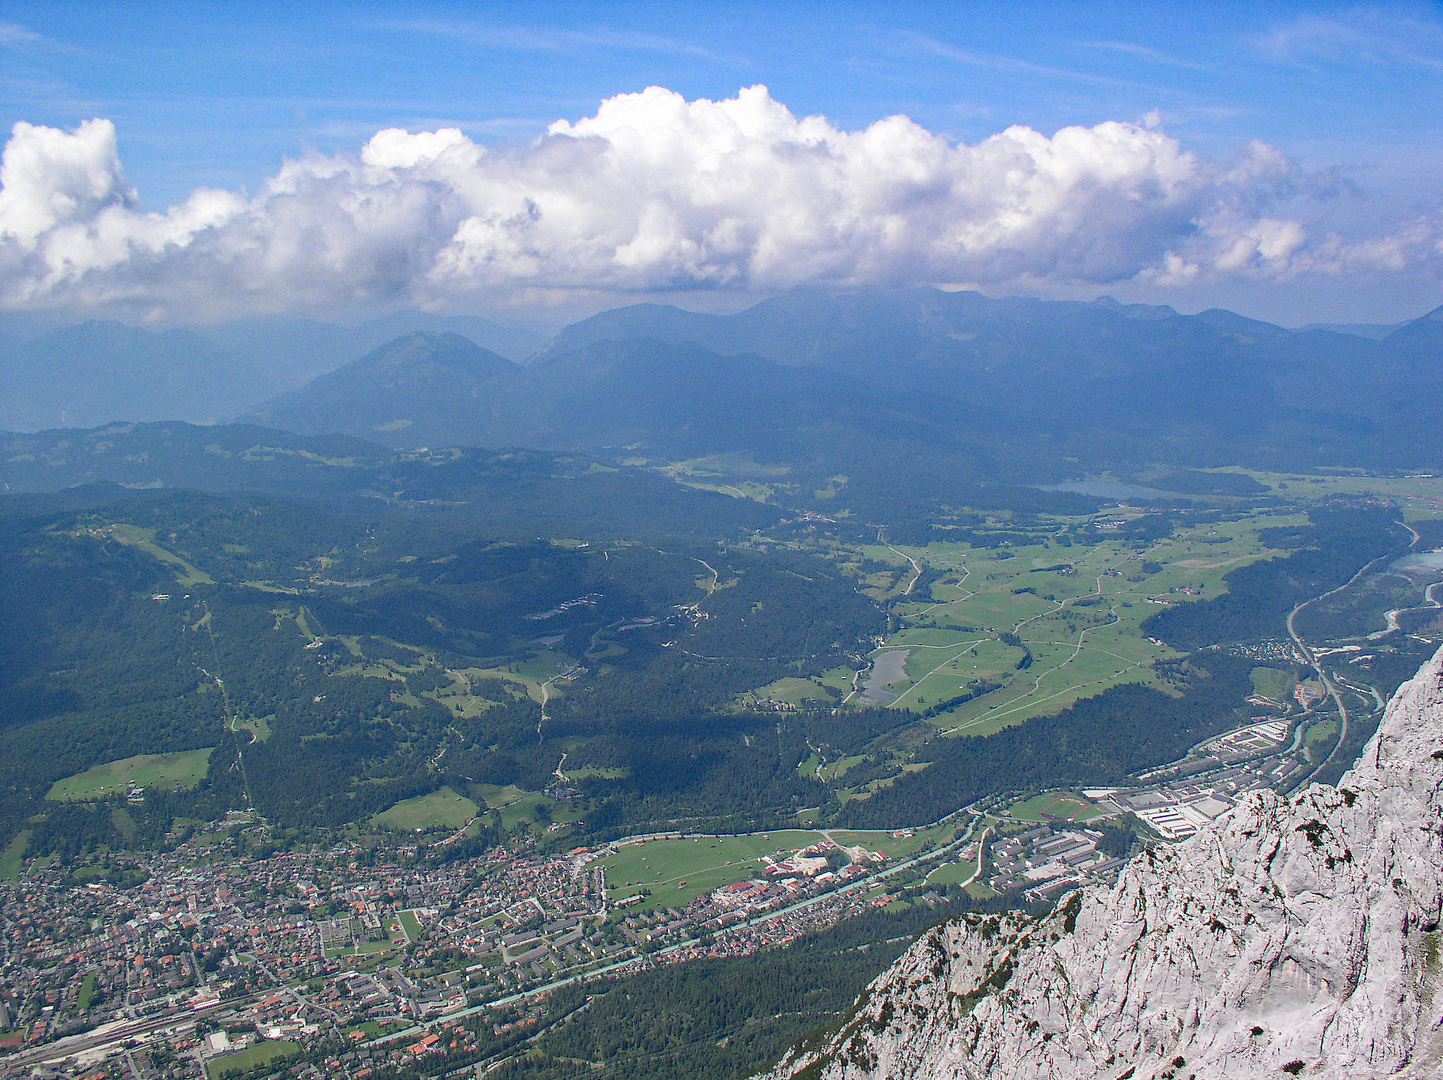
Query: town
[(230, 954)]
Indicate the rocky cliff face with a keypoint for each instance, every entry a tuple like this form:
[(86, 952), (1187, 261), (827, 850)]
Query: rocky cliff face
[(1297, 936)]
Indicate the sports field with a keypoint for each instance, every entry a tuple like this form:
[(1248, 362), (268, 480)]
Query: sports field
[(262, 1053), (175, 772), (1054, 806), (678, 871), (410, 924)]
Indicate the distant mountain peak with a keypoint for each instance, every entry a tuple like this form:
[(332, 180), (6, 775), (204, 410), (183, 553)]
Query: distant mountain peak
[(419, 375), (444, 346)]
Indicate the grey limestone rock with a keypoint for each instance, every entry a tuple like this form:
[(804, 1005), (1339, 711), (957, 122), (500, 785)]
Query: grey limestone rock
[(1297, 936)]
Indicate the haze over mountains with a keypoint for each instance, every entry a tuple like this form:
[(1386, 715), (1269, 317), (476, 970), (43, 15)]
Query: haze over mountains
[(1010, 389), (91, 373), (815, 373)]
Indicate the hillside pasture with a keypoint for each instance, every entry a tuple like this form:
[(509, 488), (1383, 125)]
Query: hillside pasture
[(172, 772), (442, 809)]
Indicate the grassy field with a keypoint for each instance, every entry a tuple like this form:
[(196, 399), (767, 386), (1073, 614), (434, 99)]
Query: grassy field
[(952, 873), (1273, 683), (1075, 610), (410, 924), (258, 726), (514, 804), (728, 474), (1053, 806), (144, 540), (678, 871), (1070, 612), (262, 1053), (181, 771), (796, 691), (1420, 496), (530, 674), (442, 809), (896, 847), (12, 859), (87, 992)]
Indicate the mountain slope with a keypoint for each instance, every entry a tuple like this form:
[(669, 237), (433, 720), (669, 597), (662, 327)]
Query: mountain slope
[(1094, 379), (439, 380), (1298, 936), (880, 381), (93, 373)]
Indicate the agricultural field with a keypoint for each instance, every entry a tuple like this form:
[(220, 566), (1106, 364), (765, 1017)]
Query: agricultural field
[(174, 772), (1045, 624), (442, 809)]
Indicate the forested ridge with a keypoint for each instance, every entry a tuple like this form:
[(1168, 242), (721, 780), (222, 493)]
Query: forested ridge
[(342, 658), (1324, 554)]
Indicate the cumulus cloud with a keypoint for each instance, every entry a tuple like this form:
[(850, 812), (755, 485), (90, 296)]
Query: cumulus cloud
[(652, 193)]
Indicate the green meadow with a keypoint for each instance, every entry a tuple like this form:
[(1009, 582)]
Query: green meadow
[(261, 1053), (442, 809), (678, 871), (176, 772)]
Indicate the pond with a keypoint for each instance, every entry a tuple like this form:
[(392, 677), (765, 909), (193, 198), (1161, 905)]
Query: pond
[(1418, 562), (887, 667)]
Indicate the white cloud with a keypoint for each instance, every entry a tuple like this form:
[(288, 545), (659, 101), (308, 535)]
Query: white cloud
[(14, 34), (655, 193), (1359, 36)]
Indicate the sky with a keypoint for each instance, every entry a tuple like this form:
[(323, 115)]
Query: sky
[(202, 162)]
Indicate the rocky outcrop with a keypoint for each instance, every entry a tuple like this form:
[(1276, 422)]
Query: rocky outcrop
[(1296, 936)]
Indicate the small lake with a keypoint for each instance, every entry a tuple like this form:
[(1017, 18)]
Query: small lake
[(1419, 562), (887, 667)]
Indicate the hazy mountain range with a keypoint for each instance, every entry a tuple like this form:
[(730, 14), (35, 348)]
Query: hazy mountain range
[(841, 379), (91, 373)]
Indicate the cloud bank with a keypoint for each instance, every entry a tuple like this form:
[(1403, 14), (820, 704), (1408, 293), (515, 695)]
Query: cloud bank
[(657, 193)]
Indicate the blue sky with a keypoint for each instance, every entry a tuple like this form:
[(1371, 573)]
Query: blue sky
[(220, 95)]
